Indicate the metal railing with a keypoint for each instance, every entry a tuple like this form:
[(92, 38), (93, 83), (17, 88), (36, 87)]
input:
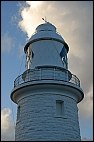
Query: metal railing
[(47, 73)]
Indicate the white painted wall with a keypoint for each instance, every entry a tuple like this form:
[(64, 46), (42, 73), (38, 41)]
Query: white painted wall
[(39, 119)]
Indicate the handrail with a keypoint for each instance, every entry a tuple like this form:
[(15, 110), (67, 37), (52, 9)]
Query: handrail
[(46, 73)]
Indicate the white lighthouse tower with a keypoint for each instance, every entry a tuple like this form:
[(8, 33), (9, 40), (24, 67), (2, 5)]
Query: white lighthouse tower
[(47, 93)]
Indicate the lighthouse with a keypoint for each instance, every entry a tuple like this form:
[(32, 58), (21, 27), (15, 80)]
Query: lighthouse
[(47, 92)]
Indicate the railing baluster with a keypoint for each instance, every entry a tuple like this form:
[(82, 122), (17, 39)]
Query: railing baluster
[(54, 73)]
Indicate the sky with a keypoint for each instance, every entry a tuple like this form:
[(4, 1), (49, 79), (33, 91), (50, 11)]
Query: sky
[(74, 21)]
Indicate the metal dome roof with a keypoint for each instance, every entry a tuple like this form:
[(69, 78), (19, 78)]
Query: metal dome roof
[(43, 32), (46, 27)]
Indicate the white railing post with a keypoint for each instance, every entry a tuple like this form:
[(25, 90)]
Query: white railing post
[(54, 73), (40, 73), (67, 76), (75, 80)]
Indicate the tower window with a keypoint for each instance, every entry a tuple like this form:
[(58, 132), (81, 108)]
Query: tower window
[(32, 54), (18, 113), (59, 107)]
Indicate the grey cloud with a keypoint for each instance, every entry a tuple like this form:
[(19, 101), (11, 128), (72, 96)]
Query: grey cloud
[(7, 125), (86, 139)]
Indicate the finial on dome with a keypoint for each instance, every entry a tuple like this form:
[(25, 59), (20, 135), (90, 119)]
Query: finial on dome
[(44, 19)]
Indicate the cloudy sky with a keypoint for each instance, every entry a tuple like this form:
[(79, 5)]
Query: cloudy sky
[(74, 21)]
